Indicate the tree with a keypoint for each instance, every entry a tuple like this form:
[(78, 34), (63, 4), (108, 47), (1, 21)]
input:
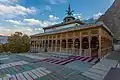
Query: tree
[(18, 42), (1, 48)]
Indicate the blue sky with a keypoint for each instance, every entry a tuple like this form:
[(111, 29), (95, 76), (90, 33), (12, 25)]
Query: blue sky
[(30, 16)]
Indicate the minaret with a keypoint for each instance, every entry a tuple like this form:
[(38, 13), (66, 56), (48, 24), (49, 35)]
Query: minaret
[(69, 13)]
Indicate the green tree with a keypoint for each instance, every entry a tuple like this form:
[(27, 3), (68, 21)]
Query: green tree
[(18, 42), (1, 48)]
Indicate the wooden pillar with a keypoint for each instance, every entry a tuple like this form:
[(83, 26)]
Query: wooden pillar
[(42, 44), (52, 43), (73, 39), (34, 45), (89, 38), (66, 42), (99, 52), (37, 45), (60, 42), (73, 48), (80, 50), (55, 43), (48, 45)]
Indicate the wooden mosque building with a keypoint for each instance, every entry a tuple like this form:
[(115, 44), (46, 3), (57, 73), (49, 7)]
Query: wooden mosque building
[(73, 36)]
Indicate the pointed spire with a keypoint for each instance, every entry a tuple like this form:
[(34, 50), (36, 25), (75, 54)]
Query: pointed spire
[(69, 12)]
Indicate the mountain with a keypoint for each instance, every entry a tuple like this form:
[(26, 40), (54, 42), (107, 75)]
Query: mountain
[(90, 21), (3, 39), (111, 18)]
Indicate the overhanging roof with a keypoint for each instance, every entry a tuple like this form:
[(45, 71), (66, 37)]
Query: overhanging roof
[(81, 27)]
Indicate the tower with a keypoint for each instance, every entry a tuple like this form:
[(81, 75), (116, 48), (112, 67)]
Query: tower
[(69, 13)]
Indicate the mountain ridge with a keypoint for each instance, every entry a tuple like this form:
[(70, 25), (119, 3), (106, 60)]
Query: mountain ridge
[(111, 18)]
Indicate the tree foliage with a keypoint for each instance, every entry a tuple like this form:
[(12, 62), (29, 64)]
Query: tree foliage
[(17, 43)]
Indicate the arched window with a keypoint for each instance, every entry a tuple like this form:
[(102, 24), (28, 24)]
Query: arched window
[(77, 43), (94, 42), (85, 43), (63, 43), (94, 46)]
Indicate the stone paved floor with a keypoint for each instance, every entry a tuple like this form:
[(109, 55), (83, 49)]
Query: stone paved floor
[(44, 67), (101, 69)]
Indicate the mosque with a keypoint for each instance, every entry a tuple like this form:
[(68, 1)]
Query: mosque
[(73, 36)]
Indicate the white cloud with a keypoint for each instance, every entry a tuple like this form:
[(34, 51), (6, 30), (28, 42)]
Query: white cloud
[(52, 1), (96, 16), (53, 18), (32, 21), (77, 16), (27, 26), (8, 1), (15, 17), (4, 30), (38, 22), (57, 1), (48, 23), (48, 8), (14, 22), (16, 10), (9, 11)]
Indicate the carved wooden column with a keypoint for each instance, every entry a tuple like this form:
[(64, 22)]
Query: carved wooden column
[(48, 44), (89, 38), (60, 42), (52, 43), (55, 43), (73, 39), (80, 50), (66, 38)]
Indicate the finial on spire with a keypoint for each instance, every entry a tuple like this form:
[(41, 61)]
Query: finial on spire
[(69, 12)]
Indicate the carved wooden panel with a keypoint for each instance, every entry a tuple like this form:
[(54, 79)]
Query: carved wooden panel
[(58, 36), (106, 34), (85, 32), (46, 37), (63, 35), (77, 33), (70, 34), (94, 31), (43, 37), (54, 36), (50, 36)]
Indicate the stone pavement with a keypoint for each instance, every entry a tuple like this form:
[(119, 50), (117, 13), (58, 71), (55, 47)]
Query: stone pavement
[(101, 69), (45, 67)]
